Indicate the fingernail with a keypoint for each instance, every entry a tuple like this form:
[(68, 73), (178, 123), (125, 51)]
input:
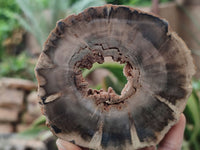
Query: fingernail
[(59, 145)]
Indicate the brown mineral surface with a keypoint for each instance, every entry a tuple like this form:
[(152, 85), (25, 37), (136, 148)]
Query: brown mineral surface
[(11, 97), (159, 68), (18, 83)]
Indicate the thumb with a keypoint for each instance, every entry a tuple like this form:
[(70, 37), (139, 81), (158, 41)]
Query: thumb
[(174, 138), (65, 145)]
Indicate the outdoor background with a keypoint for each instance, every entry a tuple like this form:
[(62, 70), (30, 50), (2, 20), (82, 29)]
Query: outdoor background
[(25, 25)]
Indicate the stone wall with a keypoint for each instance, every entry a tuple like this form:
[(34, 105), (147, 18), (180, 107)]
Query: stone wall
[(18, 104)]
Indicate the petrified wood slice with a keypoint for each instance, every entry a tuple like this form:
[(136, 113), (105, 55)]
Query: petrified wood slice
[(158, 68)]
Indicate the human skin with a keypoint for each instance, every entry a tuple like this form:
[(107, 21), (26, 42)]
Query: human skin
[(172, 140)]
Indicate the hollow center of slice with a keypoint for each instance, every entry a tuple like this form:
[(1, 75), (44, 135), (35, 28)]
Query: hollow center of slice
[(106, 76), (117, 86)]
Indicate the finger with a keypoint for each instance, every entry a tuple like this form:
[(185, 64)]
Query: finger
[(65, 145), (148, 148), (174, 138)]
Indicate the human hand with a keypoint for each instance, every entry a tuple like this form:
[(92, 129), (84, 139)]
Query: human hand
[(172, 140)]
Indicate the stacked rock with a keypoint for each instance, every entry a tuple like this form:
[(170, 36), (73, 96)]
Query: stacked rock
[(18, 104)]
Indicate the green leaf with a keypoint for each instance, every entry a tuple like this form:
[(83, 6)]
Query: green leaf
[(192, 110), (192, 113), (115, 68), (39, 121), (17, 66), (32, 132), (196, 84), (97, 87), (40, 17), (117, 86)]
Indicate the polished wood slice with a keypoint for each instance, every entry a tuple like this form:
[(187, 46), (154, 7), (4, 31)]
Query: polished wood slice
[(159, 68)]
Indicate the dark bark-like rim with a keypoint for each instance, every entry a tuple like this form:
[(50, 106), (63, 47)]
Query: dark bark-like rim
[(159, 71)]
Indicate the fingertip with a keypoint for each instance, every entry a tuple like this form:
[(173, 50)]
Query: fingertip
[(65, 145), (179, 127), (174, 138), (59, 145), (148, 148), (182, 119)]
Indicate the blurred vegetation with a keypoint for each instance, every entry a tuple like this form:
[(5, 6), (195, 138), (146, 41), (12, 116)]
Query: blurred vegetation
[(134, 2), (192, 110), (38, 129), (19, 66), (192, 113), (115, 79), (39, 17), (11, 64), (7, 21)]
